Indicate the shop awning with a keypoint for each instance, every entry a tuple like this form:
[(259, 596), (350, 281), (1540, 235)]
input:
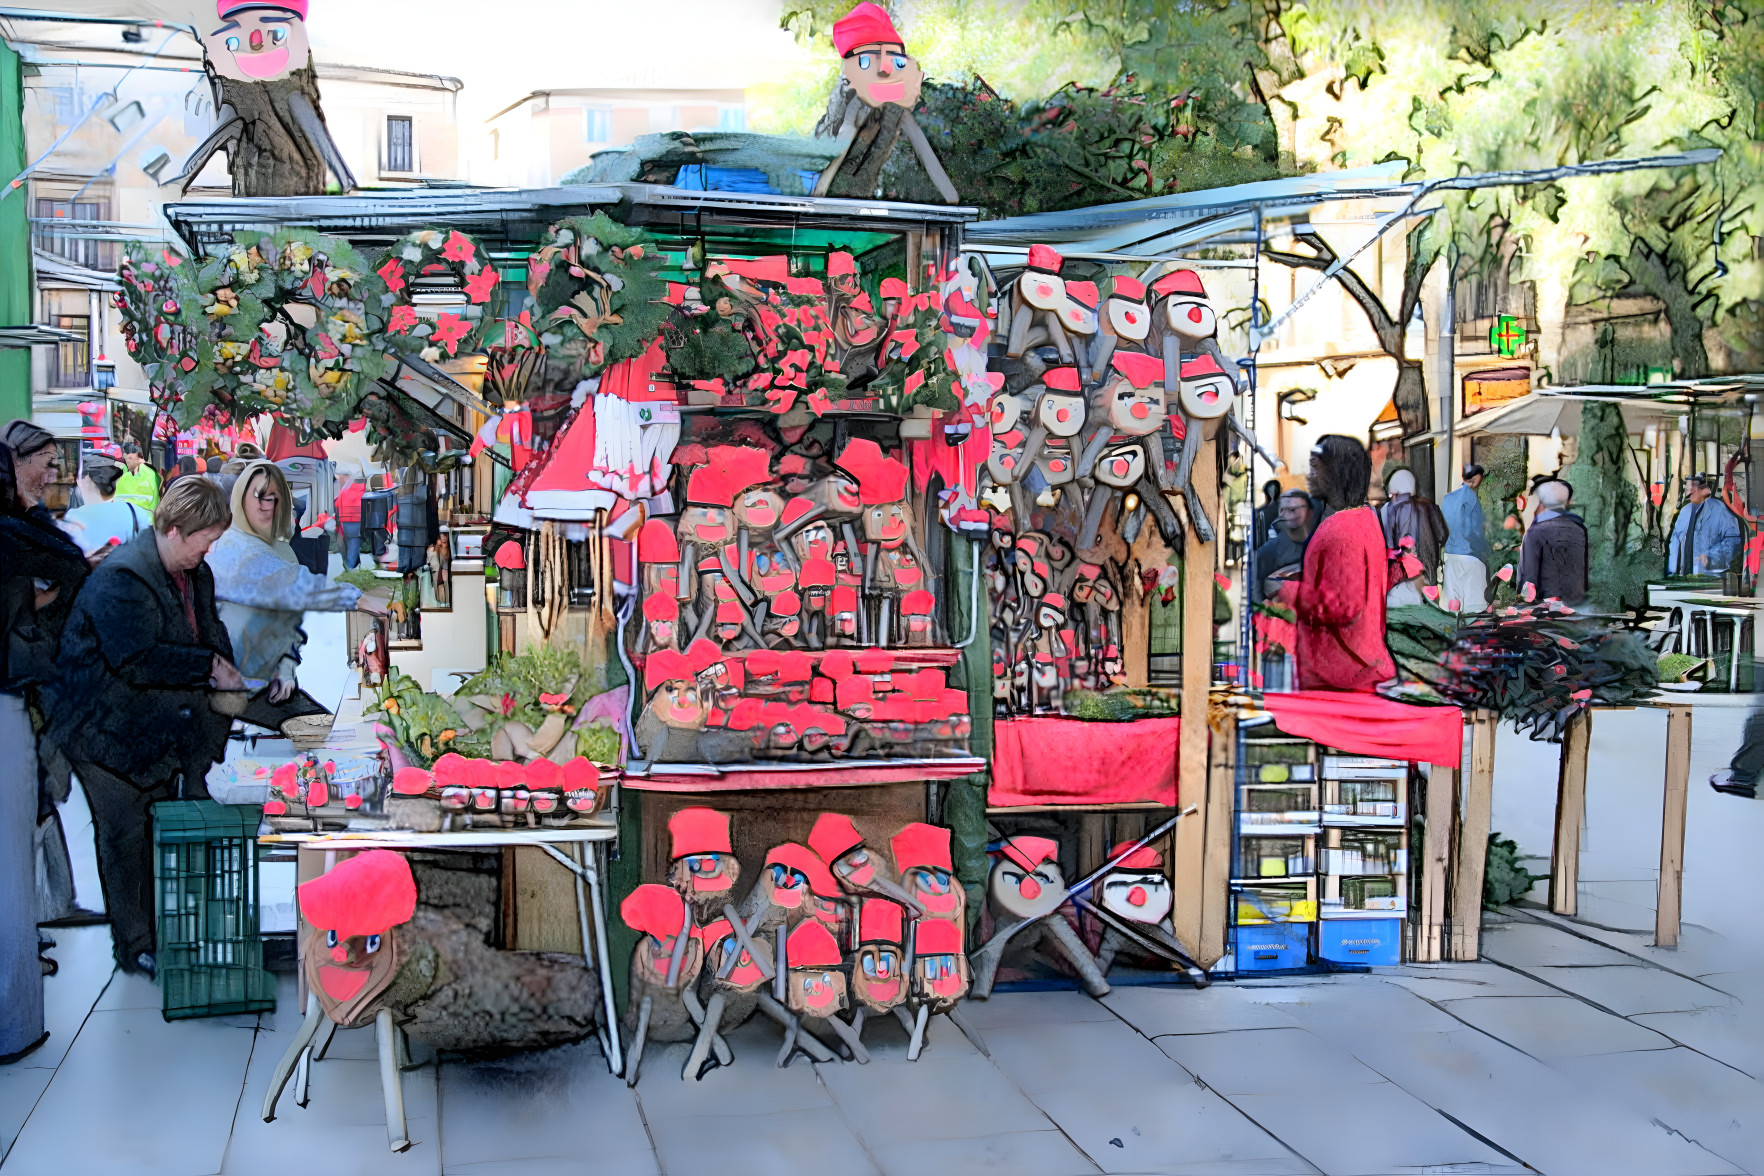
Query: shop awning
[(1541, 413), (33, 334)]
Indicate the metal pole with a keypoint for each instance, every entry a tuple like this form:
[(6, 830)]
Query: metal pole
[(1448, 398)]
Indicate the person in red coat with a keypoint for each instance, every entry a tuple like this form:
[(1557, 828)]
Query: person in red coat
[(1340, 597)]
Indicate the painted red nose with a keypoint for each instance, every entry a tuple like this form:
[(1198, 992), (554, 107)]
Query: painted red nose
[(340, 954), (256, 40), (1063, 415), (1136, 896), (1030, 889), (1194, 314)]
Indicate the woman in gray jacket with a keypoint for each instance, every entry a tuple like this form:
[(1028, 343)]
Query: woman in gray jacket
[(262, 590)]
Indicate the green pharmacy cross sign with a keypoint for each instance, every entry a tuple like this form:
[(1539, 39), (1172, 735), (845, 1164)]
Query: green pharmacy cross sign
[(1507, 336)]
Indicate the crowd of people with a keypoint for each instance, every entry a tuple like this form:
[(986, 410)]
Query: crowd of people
[(129, 630)]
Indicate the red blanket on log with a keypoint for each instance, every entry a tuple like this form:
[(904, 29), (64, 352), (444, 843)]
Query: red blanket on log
[(1070, 761), (1367, 724)]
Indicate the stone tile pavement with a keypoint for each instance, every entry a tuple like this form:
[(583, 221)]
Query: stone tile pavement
[(1567, 1050)]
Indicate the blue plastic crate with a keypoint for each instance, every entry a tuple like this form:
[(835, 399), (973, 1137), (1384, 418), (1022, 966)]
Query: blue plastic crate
[(1273, 947), (1376, 943)]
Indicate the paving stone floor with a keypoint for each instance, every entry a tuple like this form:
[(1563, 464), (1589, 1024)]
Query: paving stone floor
[(1566, 1050)]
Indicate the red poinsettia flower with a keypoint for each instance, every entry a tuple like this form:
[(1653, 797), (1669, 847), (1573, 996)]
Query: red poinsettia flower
[(508, 704), (393, 273), (403, 319), (479, 286), (782, 399), (325, 347), (316, 283), (819, 402), (449, 330), (459, 247)]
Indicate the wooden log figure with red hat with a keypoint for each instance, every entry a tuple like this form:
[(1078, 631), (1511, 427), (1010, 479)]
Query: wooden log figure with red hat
[(927, 872), (662, 1004), (816, 989), (860, 871), (266, 100), (1133, 902), (1027, 890), (677, 708), (872, 108), (702, 866)]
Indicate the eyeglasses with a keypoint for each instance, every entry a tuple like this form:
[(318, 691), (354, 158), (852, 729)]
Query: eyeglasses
[(272, 499)]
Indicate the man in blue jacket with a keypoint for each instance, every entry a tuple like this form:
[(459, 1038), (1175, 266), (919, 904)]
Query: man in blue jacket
[(1467, 553), (1706, 537)]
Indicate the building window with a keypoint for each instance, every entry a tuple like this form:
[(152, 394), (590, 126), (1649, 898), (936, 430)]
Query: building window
[(596, 125), (70, 363), (56, 226), (732, 118), (400, 145)]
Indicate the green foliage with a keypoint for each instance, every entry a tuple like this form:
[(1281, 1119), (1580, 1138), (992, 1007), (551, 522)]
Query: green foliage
[(598, 292), (419, 720), (1674, 666), (1622, 557), (1503, 879), (362, 578), (1534, 666), (1122, 704)]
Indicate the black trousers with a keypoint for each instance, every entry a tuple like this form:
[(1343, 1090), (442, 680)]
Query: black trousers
[(1748, 761), (122, 814)]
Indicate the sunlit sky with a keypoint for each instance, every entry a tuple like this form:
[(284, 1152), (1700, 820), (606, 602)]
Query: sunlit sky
[(504, 49)]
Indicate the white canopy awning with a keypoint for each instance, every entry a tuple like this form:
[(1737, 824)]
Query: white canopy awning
[(1538, 414)]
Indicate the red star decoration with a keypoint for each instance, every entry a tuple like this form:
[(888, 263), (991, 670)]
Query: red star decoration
[(449, 330), (479, 287), (459, 247), (393, 273)]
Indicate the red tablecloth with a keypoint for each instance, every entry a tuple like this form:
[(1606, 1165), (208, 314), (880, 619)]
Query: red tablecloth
[(1070, 761), (1367, 724)]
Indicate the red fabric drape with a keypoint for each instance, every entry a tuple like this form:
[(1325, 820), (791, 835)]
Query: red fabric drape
[(1069, 761), (282, 445), (1366, 724)]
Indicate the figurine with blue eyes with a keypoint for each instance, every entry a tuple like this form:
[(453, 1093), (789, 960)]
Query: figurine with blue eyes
[(872, 108), (266, 101), (703, 867)]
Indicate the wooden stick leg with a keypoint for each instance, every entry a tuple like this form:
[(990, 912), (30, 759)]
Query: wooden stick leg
[(857, 1020), (321, 1045), (1066, 941), (386, 1033), (634, 1055), (285, 1067), (905, 1016), (719, 1044), (849, 1035), (968, 1029), (808, 1043), (789, 1046), (303, 1079), (404, 1062), (917, 1044), (1112, 942), (713, 1018)]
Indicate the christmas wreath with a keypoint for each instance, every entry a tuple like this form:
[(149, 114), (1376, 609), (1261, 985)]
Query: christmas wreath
[(916, 367), (598, 292), (286, 324), (155, 285), (440, 293)]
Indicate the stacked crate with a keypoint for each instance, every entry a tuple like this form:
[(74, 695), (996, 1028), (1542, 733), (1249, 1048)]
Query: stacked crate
[(1274, 884), (1364, 866)]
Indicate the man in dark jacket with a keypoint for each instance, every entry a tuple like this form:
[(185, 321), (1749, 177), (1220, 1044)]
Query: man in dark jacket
[(138, 657), (1552, 562)]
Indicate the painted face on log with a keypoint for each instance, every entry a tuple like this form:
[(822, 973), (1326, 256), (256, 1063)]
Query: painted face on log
[(1121, 466), (886, 523), (1028, 893), (256, 44), (1140, 895), (1060, 413), (814, 541), (744, 975), (1129, 319), (1192, 318), (705, 525), (705, 876), (348, 974), (1136, 412), (655, 955), (876, 975), (680, 703), (352, 951), (1207, 397), (758, 509), (1055, 464), (936, 890), (884, 75), (816, 992)]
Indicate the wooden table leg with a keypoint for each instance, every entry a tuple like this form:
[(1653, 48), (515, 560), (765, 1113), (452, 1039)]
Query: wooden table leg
[(1436, 860), (1473, 839), (1215, 897), (1570, 815), (1668, 906)]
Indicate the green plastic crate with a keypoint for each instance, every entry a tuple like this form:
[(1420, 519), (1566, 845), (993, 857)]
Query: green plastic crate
[(210, 955)]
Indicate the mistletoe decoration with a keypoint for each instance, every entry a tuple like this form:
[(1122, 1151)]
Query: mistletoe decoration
[(285, 325), (443, 264), (599, 292), (1534, 665), (155, 285)]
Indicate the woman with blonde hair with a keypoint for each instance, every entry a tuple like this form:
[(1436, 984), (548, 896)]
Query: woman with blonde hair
[(263, 591)]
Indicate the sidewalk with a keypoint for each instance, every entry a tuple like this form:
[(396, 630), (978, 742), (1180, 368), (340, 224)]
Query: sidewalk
[(1564, 1052)]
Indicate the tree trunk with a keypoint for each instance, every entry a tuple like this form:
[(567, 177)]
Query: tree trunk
[(272, 156), (457, 991), (1655, 274)]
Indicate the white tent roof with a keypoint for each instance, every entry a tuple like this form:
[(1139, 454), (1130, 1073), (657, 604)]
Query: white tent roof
[(1539, 414)]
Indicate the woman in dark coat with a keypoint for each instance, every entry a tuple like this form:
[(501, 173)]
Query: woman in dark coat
[(40, 571), (131, 706)]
